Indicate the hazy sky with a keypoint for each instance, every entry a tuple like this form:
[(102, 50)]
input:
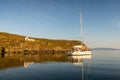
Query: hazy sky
[(60, 19)]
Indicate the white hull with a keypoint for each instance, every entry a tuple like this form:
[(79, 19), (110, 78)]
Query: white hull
[(77, 53)]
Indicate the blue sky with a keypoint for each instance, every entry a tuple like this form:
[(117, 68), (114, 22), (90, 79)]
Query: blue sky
[(60, 19)]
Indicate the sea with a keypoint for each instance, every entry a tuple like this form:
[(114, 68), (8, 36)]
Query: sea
[(100, 65)]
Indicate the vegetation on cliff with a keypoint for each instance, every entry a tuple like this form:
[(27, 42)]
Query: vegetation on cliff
[(14, 42)]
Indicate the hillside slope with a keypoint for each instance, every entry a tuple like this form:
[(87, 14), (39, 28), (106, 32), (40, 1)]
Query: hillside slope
[(14, 42)]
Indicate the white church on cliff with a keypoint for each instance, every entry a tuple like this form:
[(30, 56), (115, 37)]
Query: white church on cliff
[(28, 39)]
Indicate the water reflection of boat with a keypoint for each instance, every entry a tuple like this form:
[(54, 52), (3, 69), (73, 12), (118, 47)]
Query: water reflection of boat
[(79, 60), (26, 64)]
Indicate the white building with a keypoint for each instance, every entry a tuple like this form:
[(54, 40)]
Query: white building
[(28, 39)]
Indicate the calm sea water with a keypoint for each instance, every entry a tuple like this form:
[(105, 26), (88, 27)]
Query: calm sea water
[(101, 65)]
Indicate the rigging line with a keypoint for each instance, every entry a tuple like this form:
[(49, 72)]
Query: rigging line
[(83, 31)]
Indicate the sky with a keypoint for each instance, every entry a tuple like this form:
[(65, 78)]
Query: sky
[(60, 19)]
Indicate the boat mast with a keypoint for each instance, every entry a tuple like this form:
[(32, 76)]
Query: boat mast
[(81, 32)]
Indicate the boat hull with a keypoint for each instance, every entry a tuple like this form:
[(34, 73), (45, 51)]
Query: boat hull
[(78, 53)]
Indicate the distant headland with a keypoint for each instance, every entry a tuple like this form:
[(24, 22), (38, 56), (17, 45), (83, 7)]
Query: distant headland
[(104, 49), (15, 42)]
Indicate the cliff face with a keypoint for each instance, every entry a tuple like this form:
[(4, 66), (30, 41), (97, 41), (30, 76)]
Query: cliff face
[(14, 42)]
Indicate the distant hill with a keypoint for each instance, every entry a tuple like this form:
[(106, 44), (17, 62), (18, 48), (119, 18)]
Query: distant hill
[(15, 42), (104, 49)]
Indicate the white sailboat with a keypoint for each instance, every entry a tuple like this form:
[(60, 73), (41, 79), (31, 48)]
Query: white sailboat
[(77, 50)]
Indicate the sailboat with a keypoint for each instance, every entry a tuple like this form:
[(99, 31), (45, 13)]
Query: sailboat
[(77, 49)]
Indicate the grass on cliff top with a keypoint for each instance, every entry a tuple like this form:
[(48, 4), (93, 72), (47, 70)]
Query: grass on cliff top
[(17, 42)]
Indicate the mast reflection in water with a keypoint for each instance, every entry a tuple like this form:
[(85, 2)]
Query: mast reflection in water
[(79, 61)]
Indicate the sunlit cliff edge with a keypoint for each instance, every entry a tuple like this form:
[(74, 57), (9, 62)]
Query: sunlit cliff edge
[(15, 42)]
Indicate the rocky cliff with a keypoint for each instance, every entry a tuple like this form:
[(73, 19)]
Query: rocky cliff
[(14, 42)]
